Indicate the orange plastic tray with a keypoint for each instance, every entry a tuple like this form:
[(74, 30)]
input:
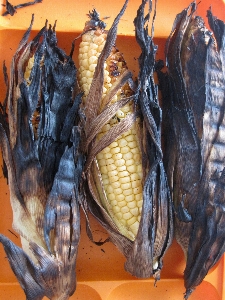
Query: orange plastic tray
[(100, 271)]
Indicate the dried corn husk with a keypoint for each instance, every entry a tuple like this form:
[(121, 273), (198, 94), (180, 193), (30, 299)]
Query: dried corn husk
[(194, 103), (40, 148), (144, 254)]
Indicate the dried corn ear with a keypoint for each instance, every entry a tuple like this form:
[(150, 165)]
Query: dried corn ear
[(121, 137), (40, 141), (194, 104)]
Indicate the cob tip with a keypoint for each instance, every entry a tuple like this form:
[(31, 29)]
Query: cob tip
[(94, 22)]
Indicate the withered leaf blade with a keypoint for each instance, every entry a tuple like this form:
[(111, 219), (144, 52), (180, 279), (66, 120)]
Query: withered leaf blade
[(22, 264), (12, 9)]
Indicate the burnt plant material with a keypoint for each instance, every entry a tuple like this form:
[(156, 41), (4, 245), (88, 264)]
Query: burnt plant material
[(11, 9), (40, 137), (144, 249), (194, 101)]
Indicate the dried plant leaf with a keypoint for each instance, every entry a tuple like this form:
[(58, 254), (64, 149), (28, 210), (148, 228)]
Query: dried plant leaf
[(12, 9)]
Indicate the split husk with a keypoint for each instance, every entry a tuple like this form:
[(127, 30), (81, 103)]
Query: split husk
[(194, 102), (145, 254), (40, 145)]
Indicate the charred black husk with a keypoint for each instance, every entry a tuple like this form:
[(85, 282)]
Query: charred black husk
[(193, 92), (145, 252), (40, 137)]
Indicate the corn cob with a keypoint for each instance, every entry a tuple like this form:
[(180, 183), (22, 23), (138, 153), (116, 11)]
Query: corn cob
[(40, 148), (120, 163), (108, 135), (194, 96)]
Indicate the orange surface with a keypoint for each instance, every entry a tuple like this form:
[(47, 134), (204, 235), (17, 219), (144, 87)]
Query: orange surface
[(100, 271)]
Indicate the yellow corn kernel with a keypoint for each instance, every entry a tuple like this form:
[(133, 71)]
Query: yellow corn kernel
[(112, 173), (125, 150), (128, 155), (110, 160), (118, 191), (129, 198), (122, 142), (134, 227), (136, 183), (102, 162), (115, 185), (120, 198), (127, 192), (117, 156), (121, 203), (127, 216), (114, 179), (106, 181), (106, 150), (104, 170), (116, 209), (131, 221), (134, 177), (132, 204), (120, 162), (109, 189), (130, 162), (112, 198), (123, 174), (135, 211), (111, 167), (132, 169), (121, 168), (115, 150), (124, 179), (126, 186), (107, 155), (124, 209), (137, 190)]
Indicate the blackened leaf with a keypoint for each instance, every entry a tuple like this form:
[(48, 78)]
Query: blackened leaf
[(11, 10)]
